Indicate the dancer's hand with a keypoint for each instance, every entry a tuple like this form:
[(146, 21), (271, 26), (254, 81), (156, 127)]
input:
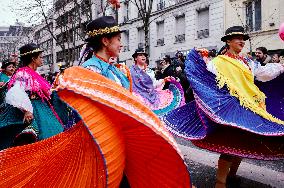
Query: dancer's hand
[(179, 69), (28, 117), (168, 79), (2, 84), (203, 52)]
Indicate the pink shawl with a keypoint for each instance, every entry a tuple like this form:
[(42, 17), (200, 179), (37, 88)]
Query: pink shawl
[(32, 82)]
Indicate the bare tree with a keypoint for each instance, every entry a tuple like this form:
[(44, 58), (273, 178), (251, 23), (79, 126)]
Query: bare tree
[(64, 25)]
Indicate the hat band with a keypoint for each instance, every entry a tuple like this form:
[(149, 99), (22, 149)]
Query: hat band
[(236, 33), (103, 31), (31, 52)]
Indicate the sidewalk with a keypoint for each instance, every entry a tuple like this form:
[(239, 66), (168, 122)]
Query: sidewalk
[(202, 165)]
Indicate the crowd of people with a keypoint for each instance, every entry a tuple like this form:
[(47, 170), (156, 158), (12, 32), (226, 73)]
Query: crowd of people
[(116, 123)]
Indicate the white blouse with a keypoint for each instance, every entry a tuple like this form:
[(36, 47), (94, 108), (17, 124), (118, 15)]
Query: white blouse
[(262, 73), (17, 97), (158, 84), (269, 72)]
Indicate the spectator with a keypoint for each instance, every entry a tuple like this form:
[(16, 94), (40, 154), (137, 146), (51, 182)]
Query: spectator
[(175, 69), (262, 56), (281, 60), (167, 69), (14, 58), (180, 74), (8, 69), (276, 58), (178, 60)]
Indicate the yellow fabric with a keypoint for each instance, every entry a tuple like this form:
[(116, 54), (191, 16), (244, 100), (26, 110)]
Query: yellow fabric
[(240, 82)]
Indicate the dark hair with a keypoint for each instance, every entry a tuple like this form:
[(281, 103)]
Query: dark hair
[(212, 53), (182, 58), (223, 50), (27, 59), (167, 58), (278, 55), (262, 49), (147, 62), (6, 63), (281, 53), (95, 44)]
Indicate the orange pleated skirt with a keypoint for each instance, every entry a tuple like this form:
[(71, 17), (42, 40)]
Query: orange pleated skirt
[(117, 135)]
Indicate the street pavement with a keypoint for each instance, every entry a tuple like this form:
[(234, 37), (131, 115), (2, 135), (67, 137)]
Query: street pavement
[(251, 174)]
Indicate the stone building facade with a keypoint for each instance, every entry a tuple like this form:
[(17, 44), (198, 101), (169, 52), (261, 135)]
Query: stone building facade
[(11, 38), (176, 26)]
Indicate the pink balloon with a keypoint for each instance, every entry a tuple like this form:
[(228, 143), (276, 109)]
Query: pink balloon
[(281, 31)]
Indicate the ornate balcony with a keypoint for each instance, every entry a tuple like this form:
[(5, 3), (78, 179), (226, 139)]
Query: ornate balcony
[(180, 38)]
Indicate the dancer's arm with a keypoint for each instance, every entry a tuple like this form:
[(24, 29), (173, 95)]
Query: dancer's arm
[(269, 72)]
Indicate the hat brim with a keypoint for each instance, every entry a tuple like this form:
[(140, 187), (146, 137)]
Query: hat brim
[(228, 37), (99, 36), (136, 54)]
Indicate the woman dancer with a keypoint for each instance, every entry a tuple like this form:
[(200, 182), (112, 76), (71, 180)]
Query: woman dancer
[(229, 112), (28, 115), (104, 43), (150, 91)]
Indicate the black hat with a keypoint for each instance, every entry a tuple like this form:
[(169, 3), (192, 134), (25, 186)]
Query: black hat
[(29, 49), (102, 26), (233, 31), (139, 51), (6, 63)]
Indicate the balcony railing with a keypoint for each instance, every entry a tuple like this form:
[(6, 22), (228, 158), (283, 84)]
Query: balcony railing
[(161, 42), (180, 38), (161, 5), (180, 1), (203, 33)]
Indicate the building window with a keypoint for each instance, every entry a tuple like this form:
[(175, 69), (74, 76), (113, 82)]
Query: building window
[(160, 33), (126, 12), (141, 37), (48, 59), (180, 29), (125, 41), (253, 15), (161, 4), (203, 23), (78, 34)]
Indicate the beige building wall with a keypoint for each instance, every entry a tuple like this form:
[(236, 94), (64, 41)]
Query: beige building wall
[(272, 15)]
